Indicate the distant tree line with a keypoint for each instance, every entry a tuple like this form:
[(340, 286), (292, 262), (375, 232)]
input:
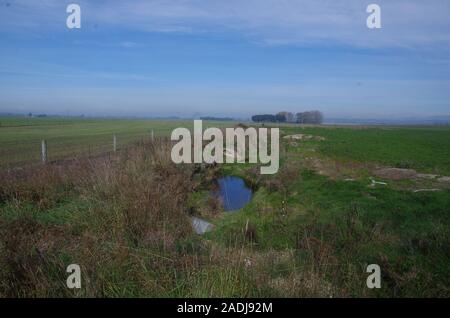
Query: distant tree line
[(309, 117), (267, 118)]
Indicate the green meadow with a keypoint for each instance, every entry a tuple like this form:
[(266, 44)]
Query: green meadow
[(426, 149), (309, 231), (20, 137)]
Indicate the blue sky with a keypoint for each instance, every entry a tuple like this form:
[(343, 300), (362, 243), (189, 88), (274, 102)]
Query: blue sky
[(225, 57)]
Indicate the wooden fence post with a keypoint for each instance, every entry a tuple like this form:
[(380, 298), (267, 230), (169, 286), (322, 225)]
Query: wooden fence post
[(153, 135), (44, 151), (114, 143)]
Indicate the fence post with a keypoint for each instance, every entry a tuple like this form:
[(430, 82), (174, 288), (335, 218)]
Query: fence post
[(114, 143), (44, 151), (153, 135)]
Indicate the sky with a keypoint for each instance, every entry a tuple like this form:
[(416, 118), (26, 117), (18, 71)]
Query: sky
[(225, 58)]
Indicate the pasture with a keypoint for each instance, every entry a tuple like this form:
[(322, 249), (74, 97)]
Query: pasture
[(309, 230), (20, 137)]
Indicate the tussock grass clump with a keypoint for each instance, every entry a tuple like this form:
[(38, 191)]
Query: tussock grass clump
[(127, 227), (147, 192), (30, 262), (44, 186)]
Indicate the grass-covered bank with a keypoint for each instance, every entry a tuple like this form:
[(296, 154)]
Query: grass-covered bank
[(334, 229)]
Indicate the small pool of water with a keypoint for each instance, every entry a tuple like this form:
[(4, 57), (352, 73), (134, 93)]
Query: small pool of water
[(233, 193)]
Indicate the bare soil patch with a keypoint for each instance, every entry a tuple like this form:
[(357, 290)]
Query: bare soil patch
[(396, 173)]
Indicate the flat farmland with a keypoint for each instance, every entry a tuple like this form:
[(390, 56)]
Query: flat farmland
[(20, 137), (343, 198)]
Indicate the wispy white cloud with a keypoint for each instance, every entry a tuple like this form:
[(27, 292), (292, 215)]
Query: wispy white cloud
[(406, 23)]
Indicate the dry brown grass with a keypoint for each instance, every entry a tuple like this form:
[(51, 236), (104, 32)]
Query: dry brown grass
[(132, 201), (29, 256)]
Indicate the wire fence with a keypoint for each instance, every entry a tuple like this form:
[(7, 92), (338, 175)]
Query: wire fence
[(41, 150), (24, 144)]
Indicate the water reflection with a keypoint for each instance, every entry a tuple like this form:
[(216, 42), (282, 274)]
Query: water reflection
[(233, 193)]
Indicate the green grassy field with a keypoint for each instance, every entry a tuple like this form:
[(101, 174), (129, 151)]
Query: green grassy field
[(20, 137), (426, 149), (310, 230)]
